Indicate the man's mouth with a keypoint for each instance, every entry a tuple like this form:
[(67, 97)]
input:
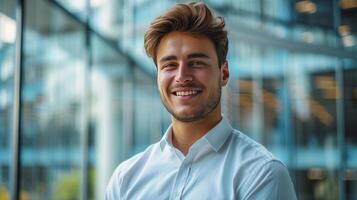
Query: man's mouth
[(183, 93)]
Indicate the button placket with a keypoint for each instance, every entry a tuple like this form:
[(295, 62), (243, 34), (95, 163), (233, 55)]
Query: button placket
[(179, 181), (182, 175)]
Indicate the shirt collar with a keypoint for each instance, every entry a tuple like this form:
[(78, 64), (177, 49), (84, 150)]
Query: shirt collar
[(166, 139), (218, 135), (215, 137)]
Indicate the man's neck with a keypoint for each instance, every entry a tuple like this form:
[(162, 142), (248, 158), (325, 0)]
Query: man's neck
[(184, 134)]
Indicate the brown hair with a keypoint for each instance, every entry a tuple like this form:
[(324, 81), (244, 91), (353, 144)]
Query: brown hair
[(194, 18)]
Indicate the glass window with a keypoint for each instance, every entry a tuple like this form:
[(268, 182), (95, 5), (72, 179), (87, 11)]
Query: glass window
[(350, 121), (111, 114), (147, 112), (78, 7), (289, 102), (51, 103), (7, 62), (257, 96), (313, 93), (107, 17)]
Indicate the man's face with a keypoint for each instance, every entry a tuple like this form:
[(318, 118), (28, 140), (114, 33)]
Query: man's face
[(189, 77)]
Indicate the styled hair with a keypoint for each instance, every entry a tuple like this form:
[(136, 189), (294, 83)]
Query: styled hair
[(194, 18)]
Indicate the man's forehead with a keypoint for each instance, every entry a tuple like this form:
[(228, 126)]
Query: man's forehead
[(180, 37)]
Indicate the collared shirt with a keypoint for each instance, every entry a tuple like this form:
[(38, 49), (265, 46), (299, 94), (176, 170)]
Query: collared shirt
[(223, 164)]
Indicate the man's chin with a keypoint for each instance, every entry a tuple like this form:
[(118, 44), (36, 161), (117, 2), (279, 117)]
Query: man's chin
[(187, 117)]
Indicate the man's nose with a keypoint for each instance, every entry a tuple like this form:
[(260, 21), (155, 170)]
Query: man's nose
[(184, 73)]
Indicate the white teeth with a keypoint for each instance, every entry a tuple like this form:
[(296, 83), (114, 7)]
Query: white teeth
[(186, 93)]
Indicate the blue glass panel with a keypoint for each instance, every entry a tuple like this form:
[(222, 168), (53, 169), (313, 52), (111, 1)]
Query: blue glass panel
[(7, 64), (51, 102)]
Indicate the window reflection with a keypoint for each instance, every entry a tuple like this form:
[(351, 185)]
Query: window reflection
[(148, 109), (53, 82), (289, 102), (7, 64), (298, 104), (350, 120), (111, 107)]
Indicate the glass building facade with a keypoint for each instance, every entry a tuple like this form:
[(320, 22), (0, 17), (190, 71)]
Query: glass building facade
[(78, 94)]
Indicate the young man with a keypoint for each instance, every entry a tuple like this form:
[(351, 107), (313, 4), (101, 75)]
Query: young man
[(200, 156)]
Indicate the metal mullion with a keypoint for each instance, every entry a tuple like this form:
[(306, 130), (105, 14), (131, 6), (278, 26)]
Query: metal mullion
[(339, 65), (16, 125), (340, 110), (86, 104)]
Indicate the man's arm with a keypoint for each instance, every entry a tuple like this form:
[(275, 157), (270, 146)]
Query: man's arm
[(271, 182)]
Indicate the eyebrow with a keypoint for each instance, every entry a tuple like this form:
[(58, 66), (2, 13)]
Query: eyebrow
[(198, 55), (168, 58), (192, 55)]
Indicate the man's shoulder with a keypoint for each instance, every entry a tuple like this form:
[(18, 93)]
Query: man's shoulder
[(137, 159), (252, 157), (128, 168), (247, 148), (269, 172)]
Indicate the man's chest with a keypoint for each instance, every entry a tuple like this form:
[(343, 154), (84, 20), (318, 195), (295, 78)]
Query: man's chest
[(185, 181)]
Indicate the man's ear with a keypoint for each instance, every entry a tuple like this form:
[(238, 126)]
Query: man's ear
[(224, 73)]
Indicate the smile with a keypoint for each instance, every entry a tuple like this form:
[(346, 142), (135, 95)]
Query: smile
[(187, 92)]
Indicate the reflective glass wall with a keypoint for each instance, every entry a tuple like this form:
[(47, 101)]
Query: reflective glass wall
[(293, 103), (89, 98), (7, 68), (51, 103)]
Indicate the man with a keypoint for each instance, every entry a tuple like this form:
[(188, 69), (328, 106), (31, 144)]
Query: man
[(200, 156)]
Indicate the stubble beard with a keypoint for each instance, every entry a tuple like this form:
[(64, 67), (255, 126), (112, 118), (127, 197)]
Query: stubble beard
[(203, 111)]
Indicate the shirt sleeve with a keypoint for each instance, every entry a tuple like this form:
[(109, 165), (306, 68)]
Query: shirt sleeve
[(113, 188), (271, 182)]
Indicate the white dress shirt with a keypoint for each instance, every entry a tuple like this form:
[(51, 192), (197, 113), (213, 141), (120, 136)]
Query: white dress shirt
[(223, 164)]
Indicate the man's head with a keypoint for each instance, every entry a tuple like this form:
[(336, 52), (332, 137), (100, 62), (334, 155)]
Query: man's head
[(190, 59), (194, 18)]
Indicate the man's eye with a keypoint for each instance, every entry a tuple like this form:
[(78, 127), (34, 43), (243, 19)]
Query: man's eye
[(197, 64), (168, 66)]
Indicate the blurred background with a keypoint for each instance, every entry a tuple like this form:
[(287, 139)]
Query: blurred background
[(78, 94)]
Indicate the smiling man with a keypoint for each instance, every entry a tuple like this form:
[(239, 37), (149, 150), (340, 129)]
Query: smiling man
[(200, 156)]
